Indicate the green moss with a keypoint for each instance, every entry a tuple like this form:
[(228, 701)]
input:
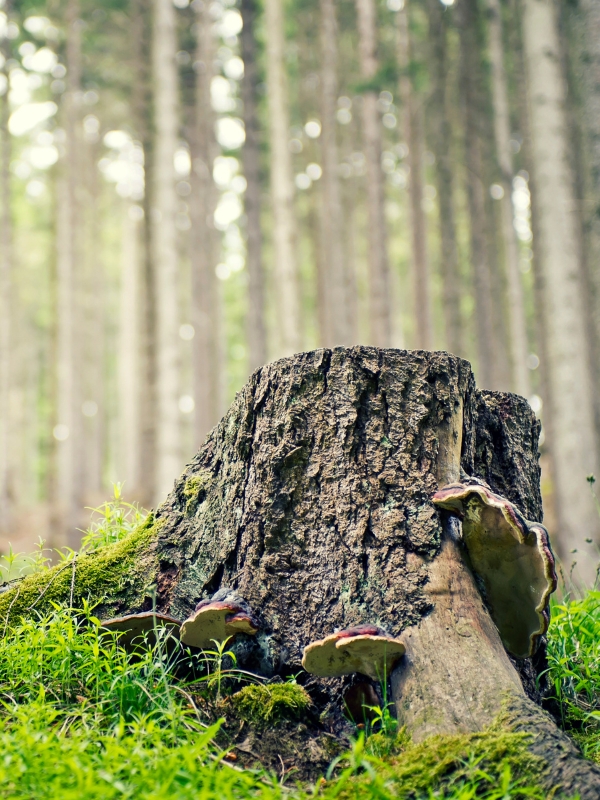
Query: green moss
[(116, 576), (412, 770), (194, 490), (268, 705)]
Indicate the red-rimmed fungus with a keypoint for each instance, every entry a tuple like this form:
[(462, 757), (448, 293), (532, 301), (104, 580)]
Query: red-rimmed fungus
[(365, 649), (513, 559), (214, 621), (135, 628)]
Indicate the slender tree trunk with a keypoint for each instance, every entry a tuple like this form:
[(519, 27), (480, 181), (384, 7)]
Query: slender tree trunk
[(476, 191), (516, 309), (255, 325), (282, 185), (439, 114), (379, 279), (337, 330), (164, 233), (68, 431), (94, 440), (584, 51), (363, 543), (129, 351), (6, 310), (142, 111), (204, 290), (573, 444), (413, 127)]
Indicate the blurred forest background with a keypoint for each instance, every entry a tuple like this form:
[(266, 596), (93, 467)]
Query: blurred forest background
[(191, 189)]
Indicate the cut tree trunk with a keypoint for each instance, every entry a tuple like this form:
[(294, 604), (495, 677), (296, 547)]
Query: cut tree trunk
[(312, 500)]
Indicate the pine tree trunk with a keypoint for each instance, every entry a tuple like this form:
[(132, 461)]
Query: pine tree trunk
[(573, 442), (6, 313), (380, 312), (515, 307), (129, 352), (439, 115), (142, 114), (413, 129), (205, 306), (165, 245), (476, 191), (255, 326), (336, 310), (282, 185)]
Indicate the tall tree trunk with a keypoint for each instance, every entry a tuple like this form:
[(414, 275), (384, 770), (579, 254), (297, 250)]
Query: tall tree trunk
[(312, 500), (6, 308), (413, 128), (142, 115), (68, 430), (574, 442), (439, 115), (129, 353), (282, 185), (476, 191), (255, 325), (93, 367), (379, 279), (584, 53), (164, 232), (516, 309), (337, 329), (205, 301)]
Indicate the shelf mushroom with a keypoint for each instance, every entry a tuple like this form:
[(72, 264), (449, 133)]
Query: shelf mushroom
[(365, 649), (216, 620), (135, 628), (513, 559)]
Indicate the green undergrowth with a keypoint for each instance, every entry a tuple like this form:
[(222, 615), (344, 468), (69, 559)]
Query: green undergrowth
[(263, 705), (492, 764), (123, 570), (574, 668)]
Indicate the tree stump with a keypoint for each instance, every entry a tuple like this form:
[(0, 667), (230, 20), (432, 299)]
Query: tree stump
[(312, 501)]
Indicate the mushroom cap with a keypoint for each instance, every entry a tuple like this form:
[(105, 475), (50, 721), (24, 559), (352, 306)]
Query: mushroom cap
[(216, 620), (134, 627), (513, 559), (365, 649)]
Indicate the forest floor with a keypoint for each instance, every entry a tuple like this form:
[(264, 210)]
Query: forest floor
[(82, 718)]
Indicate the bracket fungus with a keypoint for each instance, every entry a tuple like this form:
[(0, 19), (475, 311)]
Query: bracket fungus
[(513, 559), (135, 628), (217, 620), (365, 649)]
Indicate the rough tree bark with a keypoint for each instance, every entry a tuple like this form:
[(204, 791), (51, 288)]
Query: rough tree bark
[(312, 500)]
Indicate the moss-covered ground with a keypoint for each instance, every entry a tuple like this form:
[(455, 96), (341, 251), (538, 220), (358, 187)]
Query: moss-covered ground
[(82, 718)]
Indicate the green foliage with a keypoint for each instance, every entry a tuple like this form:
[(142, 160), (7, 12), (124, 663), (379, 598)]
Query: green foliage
[(112, 521), (494, 764), (125, 570), (574, 667), (262, 705)]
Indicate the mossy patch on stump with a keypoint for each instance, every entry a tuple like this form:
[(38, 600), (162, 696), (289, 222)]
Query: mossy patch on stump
[(270, 704)]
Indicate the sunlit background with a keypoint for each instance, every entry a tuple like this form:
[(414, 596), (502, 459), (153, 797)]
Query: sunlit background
[(189, 190)]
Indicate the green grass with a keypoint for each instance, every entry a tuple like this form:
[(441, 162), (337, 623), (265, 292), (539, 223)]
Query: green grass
[(574, 668)]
